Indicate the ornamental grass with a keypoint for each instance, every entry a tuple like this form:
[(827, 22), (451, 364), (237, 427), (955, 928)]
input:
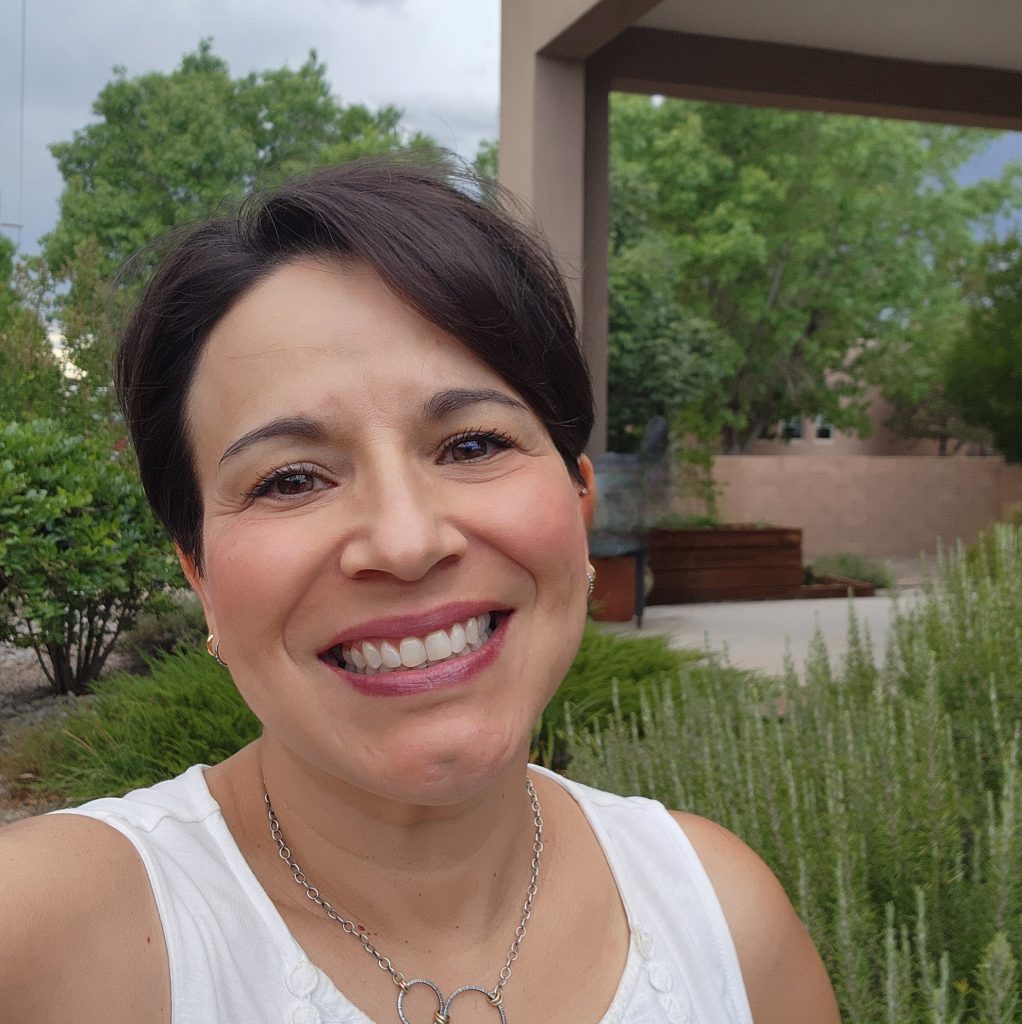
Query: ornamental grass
[(887, 798)]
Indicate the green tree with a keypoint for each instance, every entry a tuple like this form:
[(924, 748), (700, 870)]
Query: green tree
[(826, 253), (984, 368), (30, 379), (81, 555), (166, 149), (484, 163)]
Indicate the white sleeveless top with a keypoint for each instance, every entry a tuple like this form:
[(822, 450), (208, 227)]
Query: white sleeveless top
[(233, 960)]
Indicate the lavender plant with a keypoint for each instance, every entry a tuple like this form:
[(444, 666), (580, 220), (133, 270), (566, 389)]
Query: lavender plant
[(888, 798)]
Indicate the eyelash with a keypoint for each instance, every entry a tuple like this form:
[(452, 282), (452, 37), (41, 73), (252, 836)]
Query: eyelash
[(502, 441), (265, 482)]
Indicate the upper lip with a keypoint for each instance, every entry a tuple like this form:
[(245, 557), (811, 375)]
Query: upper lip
[(416, 623)]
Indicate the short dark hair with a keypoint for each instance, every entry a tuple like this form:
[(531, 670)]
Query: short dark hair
[(443, 243)]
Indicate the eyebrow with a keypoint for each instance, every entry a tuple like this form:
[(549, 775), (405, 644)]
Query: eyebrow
[(442, 404), (284, 426)]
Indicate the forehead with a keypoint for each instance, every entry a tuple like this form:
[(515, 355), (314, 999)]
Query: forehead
[(310, 306), (318, 336)]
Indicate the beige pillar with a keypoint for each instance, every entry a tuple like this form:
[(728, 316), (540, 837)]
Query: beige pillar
[(596, 231), (543, 153)]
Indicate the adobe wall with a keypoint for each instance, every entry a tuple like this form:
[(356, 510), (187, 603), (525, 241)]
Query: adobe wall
[(872, 505)]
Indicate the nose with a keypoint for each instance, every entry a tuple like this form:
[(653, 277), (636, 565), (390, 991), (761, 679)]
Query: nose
[(406, 526)]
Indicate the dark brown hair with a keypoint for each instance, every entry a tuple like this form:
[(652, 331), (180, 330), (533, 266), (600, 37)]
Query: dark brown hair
[(441, 243)]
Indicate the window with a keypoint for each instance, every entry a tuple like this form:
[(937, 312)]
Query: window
[(792, 429), (824, 430)]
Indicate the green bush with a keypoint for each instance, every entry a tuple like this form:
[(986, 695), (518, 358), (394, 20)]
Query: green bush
[(983, 554), (609, 672), (180, 622), (136, 731), (888, 799), (80, 553), (854, 567)]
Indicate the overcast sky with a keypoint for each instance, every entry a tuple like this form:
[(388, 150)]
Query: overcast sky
[(436, 59)]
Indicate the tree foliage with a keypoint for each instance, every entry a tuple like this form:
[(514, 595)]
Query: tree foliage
[(782, 263), (166, 149), (984, 369), (30, 379), (80, 553)]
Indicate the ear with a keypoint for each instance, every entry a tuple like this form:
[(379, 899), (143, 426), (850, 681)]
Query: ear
[(588, 497), (196, 582)]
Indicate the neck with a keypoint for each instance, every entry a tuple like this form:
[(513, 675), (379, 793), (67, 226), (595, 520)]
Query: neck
[(394, 867)]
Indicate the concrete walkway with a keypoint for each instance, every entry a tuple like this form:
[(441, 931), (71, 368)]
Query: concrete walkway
[(756, 634)]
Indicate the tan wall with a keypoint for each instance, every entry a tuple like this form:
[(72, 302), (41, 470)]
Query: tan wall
[(872, 505)]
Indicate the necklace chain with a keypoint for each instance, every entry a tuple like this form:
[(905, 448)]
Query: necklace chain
[(384, 962)]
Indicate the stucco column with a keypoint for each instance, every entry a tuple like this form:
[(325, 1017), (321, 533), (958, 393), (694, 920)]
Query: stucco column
[(543, 151), (596, 232)]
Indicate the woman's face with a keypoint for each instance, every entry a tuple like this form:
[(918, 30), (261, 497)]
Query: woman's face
[(372, 493)]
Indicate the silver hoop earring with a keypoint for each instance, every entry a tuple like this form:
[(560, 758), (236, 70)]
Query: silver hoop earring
[(213, 650), (591, 577)]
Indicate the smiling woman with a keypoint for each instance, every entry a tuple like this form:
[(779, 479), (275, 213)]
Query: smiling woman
[(360, 410)]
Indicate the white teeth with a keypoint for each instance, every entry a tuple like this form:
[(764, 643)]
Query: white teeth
[(390, 654), (413, 652), (376, 657), (458, 640), (438, 646)]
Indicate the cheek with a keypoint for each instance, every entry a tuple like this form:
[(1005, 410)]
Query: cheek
[(256, 573), (542, 529)]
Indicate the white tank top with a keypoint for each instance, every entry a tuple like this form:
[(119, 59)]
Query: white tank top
[(233, 960)]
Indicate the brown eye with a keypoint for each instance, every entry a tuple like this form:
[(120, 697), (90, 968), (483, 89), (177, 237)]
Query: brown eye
[(475, 446), (470, 448), (289, 482), (295, 483)]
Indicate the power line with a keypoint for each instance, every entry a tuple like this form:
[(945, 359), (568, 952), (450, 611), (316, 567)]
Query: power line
[(21, 129)]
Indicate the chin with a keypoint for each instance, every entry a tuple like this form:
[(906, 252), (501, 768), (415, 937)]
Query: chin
[(458, 765)]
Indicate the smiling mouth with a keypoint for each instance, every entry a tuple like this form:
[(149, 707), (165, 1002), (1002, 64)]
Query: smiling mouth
[(380, 655)]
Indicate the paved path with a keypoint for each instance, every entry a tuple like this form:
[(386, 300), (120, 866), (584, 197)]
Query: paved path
[(756, 634)]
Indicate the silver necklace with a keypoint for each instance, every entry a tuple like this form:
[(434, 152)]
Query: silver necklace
[(443, 1013)]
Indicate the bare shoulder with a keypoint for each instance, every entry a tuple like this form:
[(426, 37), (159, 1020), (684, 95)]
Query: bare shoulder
[(784, 976), (76, 905)]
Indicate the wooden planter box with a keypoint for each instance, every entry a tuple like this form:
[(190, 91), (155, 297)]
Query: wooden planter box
[(725, 563), (613, 597), (837, 586)]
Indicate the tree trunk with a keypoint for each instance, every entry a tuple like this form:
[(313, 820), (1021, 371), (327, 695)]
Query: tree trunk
[(730, 443), (63, 680)]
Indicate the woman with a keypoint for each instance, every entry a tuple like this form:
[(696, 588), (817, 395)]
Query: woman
[(360, 410)]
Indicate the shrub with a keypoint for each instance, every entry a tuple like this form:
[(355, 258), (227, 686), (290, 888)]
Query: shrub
[(180, 622), (854, 567), (887, 799), (609, 672), (80, 553), (136, 731), (983, 554)]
